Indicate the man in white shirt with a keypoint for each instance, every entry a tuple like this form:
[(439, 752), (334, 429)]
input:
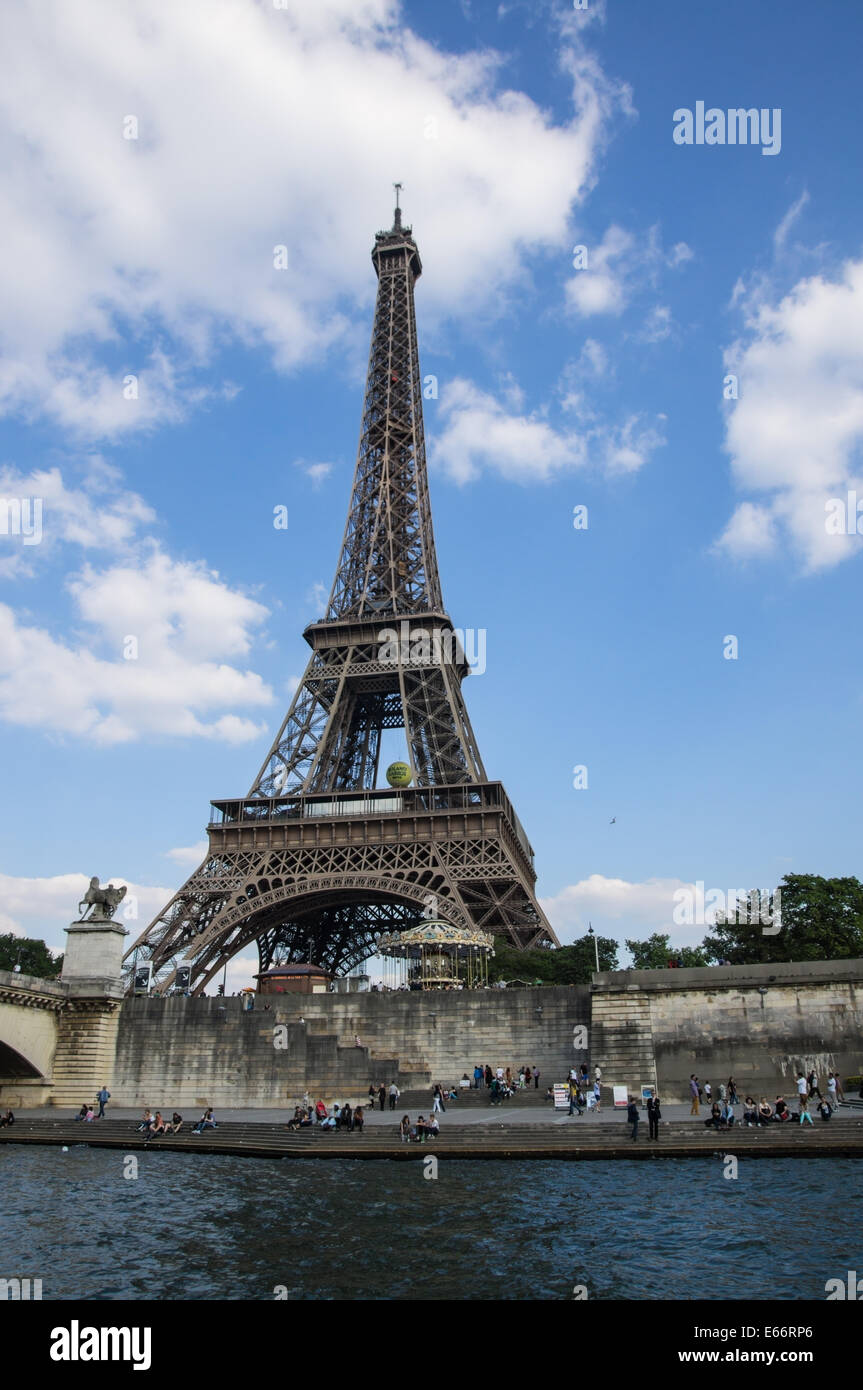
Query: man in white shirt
[(394, 1095), (831, 1091), (802, 1085)]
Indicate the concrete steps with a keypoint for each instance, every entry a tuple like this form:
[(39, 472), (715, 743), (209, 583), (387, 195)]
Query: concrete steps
[(555, 1138)]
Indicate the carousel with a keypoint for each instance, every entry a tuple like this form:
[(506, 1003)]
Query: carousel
[(436, 955)]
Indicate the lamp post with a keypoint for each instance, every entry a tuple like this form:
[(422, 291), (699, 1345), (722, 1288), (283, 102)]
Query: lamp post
[(592, 936)]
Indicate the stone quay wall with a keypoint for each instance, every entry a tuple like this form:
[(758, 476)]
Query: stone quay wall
[(209, 1051), (760, 1024), (191, 1052)]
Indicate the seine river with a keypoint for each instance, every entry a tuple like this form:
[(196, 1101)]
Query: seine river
[(218, 1227)]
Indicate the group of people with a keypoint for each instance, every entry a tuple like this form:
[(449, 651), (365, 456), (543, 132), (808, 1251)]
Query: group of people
[(762, 1112), (156, 1126), (484, 1076), (654, 1115), (308, 1116), (423, 1129), (88, 1112), (583, 1094)]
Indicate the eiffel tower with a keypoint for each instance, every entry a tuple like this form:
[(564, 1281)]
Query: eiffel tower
[(316, 861)]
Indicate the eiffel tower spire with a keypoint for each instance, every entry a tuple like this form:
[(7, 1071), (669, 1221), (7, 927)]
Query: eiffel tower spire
[(317, 860), (386, 582), (388, 563)]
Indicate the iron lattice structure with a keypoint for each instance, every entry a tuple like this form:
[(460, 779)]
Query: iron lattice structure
[(314, 863)]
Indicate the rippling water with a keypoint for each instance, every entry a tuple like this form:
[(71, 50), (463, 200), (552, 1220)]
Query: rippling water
[(218, 1227)]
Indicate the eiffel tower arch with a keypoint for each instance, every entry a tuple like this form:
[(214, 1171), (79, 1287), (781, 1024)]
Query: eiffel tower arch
[(317, 860)]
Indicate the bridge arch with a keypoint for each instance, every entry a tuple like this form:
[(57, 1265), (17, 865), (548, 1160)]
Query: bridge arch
[(14, 1066)]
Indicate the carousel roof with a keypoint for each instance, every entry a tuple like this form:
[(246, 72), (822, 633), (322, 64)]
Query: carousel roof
[(435, 932)]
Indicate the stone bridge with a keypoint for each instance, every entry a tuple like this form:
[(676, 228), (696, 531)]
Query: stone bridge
[(54, 1040)]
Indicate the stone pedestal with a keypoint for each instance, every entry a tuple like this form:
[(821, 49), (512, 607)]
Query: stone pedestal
[(94, 956), (87, 1026)]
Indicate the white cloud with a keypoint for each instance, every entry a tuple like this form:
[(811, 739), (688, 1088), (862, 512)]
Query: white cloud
[(99, 515), (164, 243), (240, 973), (42, 907), (680, 253), (479, 434), (316, 471), (620, 266), (619, 909), (601, 286), (796, 432), (190, 856), (780, 236), (657, 326), (750, 532), (185, 621)]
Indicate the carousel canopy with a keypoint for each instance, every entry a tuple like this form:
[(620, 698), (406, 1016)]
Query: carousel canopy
[(435, 935)]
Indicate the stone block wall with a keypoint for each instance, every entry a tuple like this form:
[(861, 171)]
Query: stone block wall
[(191, 1052)]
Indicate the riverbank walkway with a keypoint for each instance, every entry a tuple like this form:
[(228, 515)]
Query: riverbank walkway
[(475, 1134)]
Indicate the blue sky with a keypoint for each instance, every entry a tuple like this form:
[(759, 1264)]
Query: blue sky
[(519, 131)]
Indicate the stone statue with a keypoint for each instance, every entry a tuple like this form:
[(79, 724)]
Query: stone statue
[(103, 902)]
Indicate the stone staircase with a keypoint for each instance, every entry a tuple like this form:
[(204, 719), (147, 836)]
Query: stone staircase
[(621, 1040)]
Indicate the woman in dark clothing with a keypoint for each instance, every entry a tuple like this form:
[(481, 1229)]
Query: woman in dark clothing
[(715, 1115), (358, 1119)]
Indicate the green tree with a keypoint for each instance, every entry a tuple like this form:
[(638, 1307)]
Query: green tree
[(656, 951), (562, 965), (34, 957), (817, 919)]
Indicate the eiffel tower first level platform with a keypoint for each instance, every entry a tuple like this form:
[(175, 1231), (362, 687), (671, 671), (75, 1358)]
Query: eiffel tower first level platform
[(318, 859)]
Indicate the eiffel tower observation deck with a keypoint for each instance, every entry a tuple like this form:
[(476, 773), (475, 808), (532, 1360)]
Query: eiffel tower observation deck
[(318, 860)]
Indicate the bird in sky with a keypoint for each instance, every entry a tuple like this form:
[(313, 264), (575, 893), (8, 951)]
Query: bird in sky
[(613, 820)]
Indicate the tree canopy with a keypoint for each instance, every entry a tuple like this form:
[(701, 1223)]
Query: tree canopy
[(818, 919), (657, 951), (34, 957), (564, 965)]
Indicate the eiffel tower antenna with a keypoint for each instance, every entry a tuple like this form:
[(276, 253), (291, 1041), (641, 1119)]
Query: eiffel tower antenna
[(318, 859)]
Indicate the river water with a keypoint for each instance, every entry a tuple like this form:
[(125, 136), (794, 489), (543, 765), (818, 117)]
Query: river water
[(201, 1227)]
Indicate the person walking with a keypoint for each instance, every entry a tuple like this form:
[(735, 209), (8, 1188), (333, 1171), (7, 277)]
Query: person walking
[(831, 1091), (382, 1096), (840, 1094), (438, 1098), (693, 1091), (802, 1086), (654, 1115), (394, 1095), (488, 1075), (597, 1095), (632, 1117), (573, 1098), (732, 1092), (536, 1078), (103, 1097), (812, 1080), (708, 1093), (477, 1077)]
